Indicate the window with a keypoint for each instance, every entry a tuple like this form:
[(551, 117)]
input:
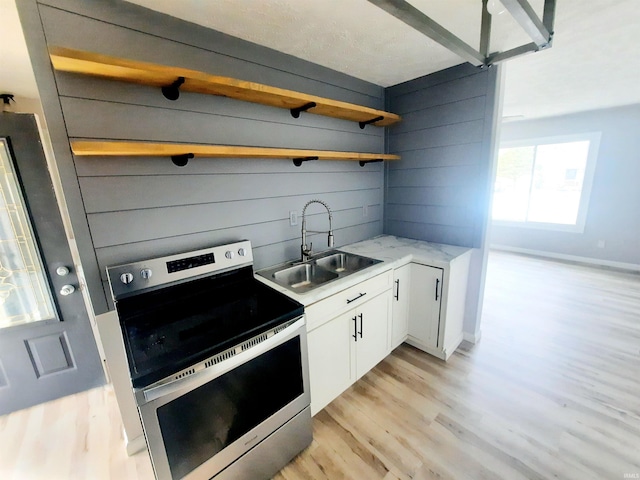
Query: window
[(24, 291), (545, 182)]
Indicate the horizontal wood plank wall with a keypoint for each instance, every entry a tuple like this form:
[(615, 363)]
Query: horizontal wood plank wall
[(145, 207), (435, 193)]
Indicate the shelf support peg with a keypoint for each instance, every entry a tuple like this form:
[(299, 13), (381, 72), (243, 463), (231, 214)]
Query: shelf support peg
[(181, 160), (172, 92), (368, 122), (298, 161), (364, 162), (295, 112)]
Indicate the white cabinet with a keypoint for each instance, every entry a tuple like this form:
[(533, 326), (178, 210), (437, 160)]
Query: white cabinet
[(331, 368), (400, 305), (437, 301), (371, 328), (425, 300), (350, 340)]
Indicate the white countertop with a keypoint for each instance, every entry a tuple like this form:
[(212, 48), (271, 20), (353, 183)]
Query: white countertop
[(393, 251), (401, 251)]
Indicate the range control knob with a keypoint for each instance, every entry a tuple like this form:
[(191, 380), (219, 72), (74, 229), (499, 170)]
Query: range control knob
[(146, 273), (229, 254), (242, 252), (126, 278)]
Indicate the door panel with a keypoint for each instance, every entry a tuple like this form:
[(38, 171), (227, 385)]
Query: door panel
[(400, 301), (373, 319), (330, 360), (424, 305), (47, 348)]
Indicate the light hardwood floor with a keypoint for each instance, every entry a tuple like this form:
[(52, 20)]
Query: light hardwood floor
[(551, 391)]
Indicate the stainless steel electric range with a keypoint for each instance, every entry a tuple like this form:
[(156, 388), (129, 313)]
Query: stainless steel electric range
[(218, 364)]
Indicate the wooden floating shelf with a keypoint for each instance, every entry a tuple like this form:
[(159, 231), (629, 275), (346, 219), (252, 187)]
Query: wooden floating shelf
[(166, 77), (185, 151)]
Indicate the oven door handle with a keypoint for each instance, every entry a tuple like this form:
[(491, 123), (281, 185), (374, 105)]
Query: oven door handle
[(195, 380)]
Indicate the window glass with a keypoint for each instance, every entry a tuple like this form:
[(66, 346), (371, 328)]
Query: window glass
[(557, 183), (513, 180), (544, 183), (24, 291)]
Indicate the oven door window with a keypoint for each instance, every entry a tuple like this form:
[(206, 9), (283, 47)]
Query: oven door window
[(204, 421)]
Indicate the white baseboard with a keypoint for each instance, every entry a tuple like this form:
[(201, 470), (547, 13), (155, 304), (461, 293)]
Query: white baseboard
[(571, 258), (472, 337)]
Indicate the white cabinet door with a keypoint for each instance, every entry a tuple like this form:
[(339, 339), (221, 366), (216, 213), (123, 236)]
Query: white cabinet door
[(371, 343), (424, 305), (400, 305), (331, 360)]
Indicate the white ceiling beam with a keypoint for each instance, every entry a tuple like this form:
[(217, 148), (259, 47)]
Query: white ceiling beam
[(549, 15), (514, 52), (485, 30), (524, 14), (413, 17)]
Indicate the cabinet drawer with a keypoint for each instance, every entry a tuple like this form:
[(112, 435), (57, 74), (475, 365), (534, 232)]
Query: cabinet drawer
[(352, 297)]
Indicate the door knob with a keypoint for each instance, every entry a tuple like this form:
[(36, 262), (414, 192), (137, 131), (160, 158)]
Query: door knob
[(62, 271), (67, 290)]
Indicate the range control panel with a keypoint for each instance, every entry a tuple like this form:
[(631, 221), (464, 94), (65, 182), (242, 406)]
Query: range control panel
[(134, 277), (190, 262)]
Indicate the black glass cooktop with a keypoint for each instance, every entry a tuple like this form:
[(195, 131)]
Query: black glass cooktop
[(170, 329)]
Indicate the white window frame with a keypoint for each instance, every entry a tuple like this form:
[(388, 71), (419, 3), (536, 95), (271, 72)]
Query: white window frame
[(590, 168)]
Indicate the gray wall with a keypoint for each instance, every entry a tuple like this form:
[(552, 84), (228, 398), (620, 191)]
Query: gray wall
[(126, 209), (440, 191), (614, 208), (436, 192)]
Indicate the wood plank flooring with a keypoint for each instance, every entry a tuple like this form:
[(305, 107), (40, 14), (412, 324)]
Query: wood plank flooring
[(551, 391)]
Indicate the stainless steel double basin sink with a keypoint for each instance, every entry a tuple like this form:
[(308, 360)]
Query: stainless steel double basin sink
[(304, 277)]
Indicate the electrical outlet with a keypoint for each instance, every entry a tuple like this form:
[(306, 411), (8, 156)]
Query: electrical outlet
[(365, 210), (293, 218), (601, 243)]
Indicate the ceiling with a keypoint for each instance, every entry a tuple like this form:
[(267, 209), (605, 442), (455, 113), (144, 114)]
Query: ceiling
[(16, 75), (593, 63)]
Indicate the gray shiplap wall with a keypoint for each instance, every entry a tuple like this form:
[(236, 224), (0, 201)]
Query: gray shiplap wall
[(441, 190), (127, 209), (436, 193)]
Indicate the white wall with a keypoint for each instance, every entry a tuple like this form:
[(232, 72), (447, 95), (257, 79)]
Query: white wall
[(614, 208)]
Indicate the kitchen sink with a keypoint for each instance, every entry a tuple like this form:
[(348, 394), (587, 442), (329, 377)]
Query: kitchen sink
[(342, 262), (303, 277), (329, 266)]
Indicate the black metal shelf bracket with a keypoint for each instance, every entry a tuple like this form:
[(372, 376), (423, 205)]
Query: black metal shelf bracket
[(298, 161), (172, 92), (368, 122), (364, 162), (181, 160), (295, 112), (7, 98)]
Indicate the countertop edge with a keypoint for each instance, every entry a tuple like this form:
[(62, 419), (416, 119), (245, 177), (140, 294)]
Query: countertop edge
[(394, 252)]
